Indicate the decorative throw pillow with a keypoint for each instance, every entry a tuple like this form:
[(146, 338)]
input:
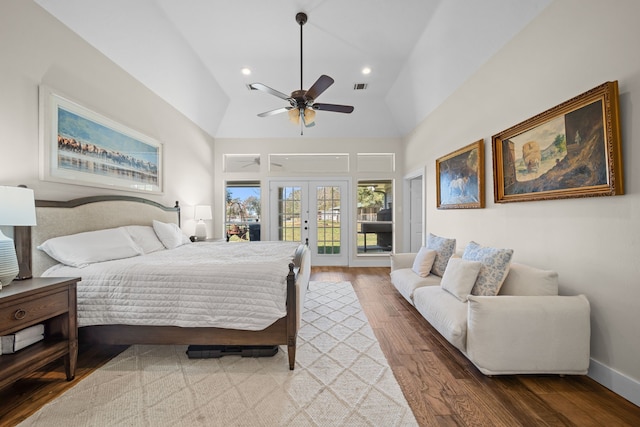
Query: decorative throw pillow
[(444, 248), (81, 249), (495, 267), (169, 234), (460, 276), (424, 261)]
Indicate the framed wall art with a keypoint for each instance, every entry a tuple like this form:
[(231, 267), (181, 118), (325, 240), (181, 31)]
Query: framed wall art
[(79, 146), (460, 178), (571, 150)]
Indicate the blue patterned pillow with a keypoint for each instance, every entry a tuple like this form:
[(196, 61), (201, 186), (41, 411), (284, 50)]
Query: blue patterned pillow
[(494, 269), (444, 248)]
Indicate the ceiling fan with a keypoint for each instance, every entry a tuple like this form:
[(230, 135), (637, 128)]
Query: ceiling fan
[(256, 161), (302, 106)]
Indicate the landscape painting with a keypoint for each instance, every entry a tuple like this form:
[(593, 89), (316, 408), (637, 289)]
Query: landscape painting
[(572, 150), (88, 149), (460, 178)]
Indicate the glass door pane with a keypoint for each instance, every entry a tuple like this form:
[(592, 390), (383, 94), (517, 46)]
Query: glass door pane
[(289, 214), (328, 221)]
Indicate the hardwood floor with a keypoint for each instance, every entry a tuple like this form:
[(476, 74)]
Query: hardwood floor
[(441, 385), (445, 389)]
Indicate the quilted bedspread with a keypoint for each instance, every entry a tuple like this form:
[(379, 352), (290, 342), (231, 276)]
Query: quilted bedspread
[(224, 285)]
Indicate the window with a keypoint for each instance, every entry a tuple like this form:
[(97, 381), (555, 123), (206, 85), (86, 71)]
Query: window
[(376, 162), (243, 208), (375, 216), (309, 163)]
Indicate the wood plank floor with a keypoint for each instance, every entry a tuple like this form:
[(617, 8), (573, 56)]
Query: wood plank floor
[(441, 385)]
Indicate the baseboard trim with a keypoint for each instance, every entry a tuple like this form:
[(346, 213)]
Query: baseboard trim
[(615, 381)]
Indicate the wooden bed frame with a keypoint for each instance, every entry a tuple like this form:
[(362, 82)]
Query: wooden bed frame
[(61, 218)]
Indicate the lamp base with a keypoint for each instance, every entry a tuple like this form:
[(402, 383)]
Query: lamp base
[(8, 261), (201, 230)]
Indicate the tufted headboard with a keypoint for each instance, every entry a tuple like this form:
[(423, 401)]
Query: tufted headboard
[(89, 214)]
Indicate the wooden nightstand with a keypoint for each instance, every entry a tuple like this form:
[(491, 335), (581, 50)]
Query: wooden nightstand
[(51, 301)]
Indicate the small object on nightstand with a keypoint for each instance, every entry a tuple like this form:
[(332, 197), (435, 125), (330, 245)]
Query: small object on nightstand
[(21, 339)]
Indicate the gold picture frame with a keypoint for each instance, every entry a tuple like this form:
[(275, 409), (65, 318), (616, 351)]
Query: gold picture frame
[(460, 178), (571, 150)]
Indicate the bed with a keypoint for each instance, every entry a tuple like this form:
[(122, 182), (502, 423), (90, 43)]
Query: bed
[(275, 272)]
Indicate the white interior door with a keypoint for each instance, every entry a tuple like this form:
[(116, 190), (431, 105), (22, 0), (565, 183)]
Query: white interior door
[(312, 212), (415, 214)]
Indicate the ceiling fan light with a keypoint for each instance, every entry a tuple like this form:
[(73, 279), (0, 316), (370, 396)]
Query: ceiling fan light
[(294, 116), (309, 116)]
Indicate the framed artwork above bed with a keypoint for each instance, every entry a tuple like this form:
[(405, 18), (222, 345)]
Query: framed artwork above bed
[(79, 146)]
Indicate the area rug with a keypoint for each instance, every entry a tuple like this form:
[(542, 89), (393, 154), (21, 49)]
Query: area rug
[(341, 378)]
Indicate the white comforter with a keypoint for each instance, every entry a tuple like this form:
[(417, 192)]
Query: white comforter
[(224, 285)]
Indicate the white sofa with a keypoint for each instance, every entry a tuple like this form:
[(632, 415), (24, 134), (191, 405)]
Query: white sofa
[(526, 329)]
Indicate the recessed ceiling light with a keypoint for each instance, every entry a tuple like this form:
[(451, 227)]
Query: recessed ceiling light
[(366, 70), (246, 71)]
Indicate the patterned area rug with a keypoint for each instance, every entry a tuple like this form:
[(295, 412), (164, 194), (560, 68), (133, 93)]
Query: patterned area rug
[(341, 379)]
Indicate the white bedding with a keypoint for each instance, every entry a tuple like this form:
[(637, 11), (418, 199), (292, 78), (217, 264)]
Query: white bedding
[(224, 285)]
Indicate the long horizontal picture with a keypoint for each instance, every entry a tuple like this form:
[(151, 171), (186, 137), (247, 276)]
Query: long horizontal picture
[(82, 147), (571, 150)]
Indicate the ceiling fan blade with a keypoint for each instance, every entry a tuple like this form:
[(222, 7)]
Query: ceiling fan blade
[(276, 111), (333, 107), (264, 88), (319, 86)]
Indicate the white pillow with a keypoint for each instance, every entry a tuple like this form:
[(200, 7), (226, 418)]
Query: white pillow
[(169, 234), (460, 276), (424, 261), (495, 267), (144, 237), (82, 249)]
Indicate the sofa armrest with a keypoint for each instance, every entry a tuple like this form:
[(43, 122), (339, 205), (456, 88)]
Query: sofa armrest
[(402, 260), (529, 334)]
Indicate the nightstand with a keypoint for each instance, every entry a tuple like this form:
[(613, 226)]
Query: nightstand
[(51, 301)]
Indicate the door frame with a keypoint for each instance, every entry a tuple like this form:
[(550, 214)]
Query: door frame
[(346, 219), (406, 215)]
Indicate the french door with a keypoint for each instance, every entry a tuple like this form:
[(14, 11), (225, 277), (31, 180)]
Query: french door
[(313, 212)]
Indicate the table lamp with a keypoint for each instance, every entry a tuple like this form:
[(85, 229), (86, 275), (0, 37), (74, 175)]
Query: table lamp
[(17, 207), (202, 213)]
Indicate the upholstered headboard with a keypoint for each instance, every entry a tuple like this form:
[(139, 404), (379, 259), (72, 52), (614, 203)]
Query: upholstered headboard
[(88, 214)]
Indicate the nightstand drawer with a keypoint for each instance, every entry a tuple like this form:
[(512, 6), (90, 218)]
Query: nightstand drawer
[(28, 311)]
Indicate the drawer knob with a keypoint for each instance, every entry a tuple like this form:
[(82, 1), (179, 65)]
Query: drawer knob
[(20, 314)]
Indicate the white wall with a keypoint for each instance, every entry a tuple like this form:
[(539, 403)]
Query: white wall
[(37, 49), (573, 46)]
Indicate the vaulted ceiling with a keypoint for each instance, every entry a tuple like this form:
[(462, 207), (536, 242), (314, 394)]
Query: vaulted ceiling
[(191, 54)]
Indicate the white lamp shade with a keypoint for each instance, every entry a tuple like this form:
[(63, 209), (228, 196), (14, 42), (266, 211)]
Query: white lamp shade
[(17, 206), (203, 212)]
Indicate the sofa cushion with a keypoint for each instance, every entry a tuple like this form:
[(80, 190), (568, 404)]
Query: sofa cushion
[(494, 269), (406, 282), (460, 276), (444, 312), (529, 281), (424, 261), (529, 334), (444, 248)]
